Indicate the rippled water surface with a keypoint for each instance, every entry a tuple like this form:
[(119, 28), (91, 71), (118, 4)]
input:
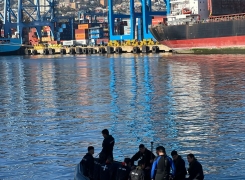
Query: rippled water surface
[(53, 107)]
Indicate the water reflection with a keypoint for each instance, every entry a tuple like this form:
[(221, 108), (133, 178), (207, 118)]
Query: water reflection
[(53, 107)]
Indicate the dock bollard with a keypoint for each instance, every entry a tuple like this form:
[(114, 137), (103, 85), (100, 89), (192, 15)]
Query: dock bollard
[(136, 50), (45, 52), (62, 51), (79, 50), (110, 50), (102, 50), (118, 50), (155, 49), (95, 51), (85, 51), (145, 49), (90, 50), (34, 52), (51, 51), (72, 51)]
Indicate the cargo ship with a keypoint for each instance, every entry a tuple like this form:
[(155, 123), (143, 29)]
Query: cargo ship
[(10, 46), (203, 24)]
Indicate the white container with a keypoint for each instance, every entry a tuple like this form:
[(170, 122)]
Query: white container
[(68, 43), (81, 42)]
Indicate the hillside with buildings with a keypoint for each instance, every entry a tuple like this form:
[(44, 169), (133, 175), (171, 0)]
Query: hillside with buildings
[(71, 7)]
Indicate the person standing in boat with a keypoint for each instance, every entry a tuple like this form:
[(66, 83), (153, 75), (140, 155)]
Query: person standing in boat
[(162, 165), (108, 144), (195, 168), (179, 166), (87, 163)]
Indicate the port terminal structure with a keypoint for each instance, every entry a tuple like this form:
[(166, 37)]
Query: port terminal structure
[(31, 10), (13, 19), (113, 47), (144, 17)]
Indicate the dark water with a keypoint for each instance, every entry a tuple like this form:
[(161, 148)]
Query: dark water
[(53, 107)]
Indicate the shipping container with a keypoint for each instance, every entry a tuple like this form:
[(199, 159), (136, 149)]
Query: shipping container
[(81, 36), (81, 31), (81, 42), (68, 43), (84, 26), (105, 40), (225, 7)]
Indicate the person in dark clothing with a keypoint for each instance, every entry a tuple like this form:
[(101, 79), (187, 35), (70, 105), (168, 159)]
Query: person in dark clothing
[(97, 165), (195, 168), (138, 172), (179, 166), (161, 166), (144, 154), (87, 163), (107, 170), (108, 144), (123, 170)]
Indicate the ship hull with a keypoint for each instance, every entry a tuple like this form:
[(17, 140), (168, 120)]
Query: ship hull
[(10, 46), (220, 42), (202, 35)]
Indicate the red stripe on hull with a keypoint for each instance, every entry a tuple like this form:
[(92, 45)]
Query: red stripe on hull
[(219, 42)]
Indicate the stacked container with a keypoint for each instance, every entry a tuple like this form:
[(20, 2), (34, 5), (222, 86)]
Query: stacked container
[(96, 33), (81, 34), (104, 39)]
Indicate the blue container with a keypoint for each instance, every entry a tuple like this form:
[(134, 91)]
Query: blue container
[(60, 29)]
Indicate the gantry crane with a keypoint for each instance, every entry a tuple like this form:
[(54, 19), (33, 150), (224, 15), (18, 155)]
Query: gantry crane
[(28, 9), (145, 16)]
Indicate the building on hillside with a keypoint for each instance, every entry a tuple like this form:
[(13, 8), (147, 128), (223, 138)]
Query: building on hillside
[(104, 3)]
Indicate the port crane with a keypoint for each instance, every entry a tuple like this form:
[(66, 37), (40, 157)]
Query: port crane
[(144, 17), (38, 16)]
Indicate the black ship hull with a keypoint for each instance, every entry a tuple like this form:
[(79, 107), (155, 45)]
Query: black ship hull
[(226, 33)]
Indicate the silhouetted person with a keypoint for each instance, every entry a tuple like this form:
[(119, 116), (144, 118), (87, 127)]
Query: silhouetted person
[(123, 170), (179, 166), (195, 168), (87, 163), (144, 154), (162, 165), (138, 172), (108, 144)]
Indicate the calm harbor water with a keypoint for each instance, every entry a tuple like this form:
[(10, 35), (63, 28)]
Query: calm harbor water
[(53, 107)]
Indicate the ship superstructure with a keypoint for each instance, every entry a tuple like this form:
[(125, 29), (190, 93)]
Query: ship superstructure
[(183, 11)]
